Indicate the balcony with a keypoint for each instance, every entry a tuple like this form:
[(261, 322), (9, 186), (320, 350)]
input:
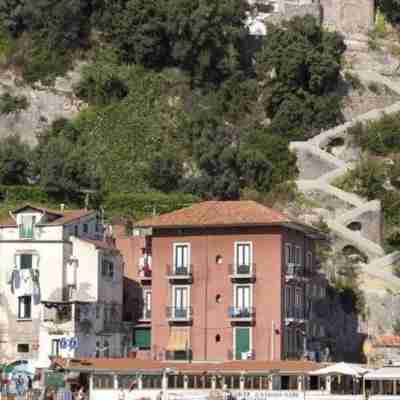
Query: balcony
[(180, 273), (181, 314), (295, 314), (242, 272), (144, 273), (241, 314), (249, 355), (294, 272)]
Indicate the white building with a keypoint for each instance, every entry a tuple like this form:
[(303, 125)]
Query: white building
[(60, 284)]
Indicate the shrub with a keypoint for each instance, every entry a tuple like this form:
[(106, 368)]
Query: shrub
[(354, 80), (11, 104), (374, 88)]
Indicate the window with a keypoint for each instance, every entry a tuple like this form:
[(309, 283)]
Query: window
[(298, 256), (218, 338), (309, 260), (85, 228), (107, 269), (126, 381), (103, 381), (25, 261), (151, 381), (218, 298), (142, 338), (181, 301), (106, 349), (26, 226), (243, 258), (242, 342), (23, 348), (24, 307), (76, 230), (98, 349), (298, 299), (181, 258), (147, 304), (55, 347)]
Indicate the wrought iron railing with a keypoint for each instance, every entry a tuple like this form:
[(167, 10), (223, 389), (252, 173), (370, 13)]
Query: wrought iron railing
[(179, 313), (241, 312)]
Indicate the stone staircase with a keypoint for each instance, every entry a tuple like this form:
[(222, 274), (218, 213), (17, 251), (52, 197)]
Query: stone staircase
[(358, 227)]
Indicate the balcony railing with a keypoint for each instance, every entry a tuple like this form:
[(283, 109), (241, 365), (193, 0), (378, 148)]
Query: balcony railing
[(242, 271), (144, 272), (179, 356), (236, 355), (294, 271), (179, 272), (179, 313), (295, 313), (241, 313)]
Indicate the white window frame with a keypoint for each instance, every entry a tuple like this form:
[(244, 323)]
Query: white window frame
[(288, 251), (298, 301), (298, 256), (35, 220), (234, 339), (236, 285), (188, 295), (189, 255), (145, 294), (19, 310), (241, 242)]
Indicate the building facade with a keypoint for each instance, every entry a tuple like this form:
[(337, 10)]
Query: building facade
[(224, 281), (61, 286)]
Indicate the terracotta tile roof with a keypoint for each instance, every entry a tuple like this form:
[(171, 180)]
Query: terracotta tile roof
[(387, 341), (129, 364), (61, 217), (218, 213)]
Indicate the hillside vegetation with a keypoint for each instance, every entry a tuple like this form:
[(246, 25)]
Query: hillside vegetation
[(183, 103)]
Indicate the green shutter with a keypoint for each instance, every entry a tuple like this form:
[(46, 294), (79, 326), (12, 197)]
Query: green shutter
[(242, 342), (142, 338)]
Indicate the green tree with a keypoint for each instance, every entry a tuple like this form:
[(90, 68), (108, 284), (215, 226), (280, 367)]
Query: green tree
[(391, 9), (202, 37), (299, 64), (15, 161), (62, 161)]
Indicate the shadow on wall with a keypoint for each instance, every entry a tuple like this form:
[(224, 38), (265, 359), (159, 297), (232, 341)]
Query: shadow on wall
[(133, 302)]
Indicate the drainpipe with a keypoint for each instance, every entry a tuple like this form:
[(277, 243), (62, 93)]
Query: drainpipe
[(205, 300)]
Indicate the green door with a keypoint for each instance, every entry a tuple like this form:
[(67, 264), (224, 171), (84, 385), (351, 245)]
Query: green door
[(142, 338), (242, 342)]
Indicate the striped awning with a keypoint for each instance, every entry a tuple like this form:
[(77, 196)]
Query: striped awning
[(178, 339)]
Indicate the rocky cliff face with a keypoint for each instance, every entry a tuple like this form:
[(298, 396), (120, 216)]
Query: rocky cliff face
[(45, 104)]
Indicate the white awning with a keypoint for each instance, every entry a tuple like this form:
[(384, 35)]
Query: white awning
[(342, 369), (389, 373)]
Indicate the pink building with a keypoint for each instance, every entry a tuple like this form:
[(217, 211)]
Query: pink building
[(222, 281)]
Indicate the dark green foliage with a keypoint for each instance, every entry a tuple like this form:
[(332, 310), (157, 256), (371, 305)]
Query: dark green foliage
[(62, 162), (20, 194), (391, 9), (15, 161), (380, 137), (138, 205), (300, 63), (200, 37), (396, 327), (56, 29), (10, 104)]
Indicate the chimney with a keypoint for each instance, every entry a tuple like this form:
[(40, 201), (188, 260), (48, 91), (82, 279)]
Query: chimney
[(62, 207)]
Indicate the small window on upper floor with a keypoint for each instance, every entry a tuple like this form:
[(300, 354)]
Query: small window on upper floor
[(309, 260), (23, 348), (25, 261), (298, 256), (27, 223), (85, 228), (107, 269)]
